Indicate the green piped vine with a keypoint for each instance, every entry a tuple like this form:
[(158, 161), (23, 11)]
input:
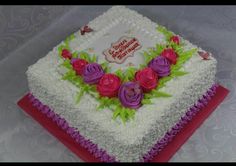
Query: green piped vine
[(127, 75)]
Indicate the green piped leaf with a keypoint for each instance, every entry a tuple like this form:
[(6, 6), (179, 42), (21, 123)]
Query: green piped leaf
[(75, 54), (105, 66), (165, 32), (94, 94), (60, 48), (130, 113), (141, 66), (156, 94), (106, 102), (86, 87), (85, 56), (93, 58), (186, 55), (161, 94), (123, 114), (147, 57), (68, 39), (78, 81), (67, 64), (93, 88), (72, 36), (159, 48), (179, 73), (129, 74), (152, 53), (115, 101), (101, 106), (116, 113), (146, 101), (119, 73), (176, 67), (69, 75), (164, 79), (148, 95), (79, 95)]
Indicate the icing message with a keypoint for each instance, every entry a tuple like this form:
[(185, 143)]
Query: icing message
[(122, 49)]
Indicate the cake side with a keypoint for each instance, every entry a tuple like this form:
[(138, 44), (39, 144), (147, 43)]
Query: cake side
[(129, 142), (139, 134)]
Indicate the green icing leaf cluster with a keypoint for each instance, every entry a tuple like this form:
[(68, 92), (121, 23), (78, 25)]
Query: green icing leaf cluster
[(124, 113), (183, 56), (118, 110), (126, 75)]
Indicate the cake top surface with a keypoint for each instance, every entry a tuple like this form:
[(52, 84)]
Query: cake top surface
[(120, 37)]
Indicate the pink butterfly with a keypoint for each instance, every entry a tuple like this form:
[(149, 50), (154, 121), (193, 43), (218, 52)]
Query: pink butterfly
[(85, 29), (204, 55)]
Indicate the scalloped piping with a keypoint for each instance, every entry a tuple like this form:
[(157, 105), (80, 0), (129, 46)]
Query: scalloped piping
[(101, 154)]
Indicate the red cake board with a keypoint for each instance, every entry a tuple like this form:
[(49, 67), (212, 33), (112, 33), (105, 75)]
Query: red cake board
[(163, 156)]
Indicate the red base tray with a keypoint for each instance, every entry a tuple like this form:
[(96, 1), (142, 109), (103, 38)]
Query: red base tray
[(163, 156)]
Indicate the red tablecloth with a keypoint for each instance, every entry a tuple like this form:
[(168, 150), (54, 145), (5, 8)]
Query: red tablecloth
[(165, 154)]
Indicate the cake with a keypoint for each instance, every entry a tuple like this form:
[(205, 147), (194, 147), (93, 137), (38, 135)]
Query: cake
[(122, 86)]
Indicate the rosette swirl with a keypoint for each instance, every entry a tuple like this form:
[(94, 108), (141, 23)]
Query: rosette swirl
[(109, 85), (170, 54), (93, 72), (78, 65), (147, 79), (175, 39), (130, 95), (160, 65), (66, 54)]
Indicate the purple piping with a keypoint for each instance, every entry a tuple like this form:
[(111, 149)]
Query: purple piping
[(102, 154), (73, 132), (192, 111)]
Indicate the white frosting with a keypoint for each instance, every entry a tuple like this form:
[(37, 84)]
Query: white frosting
[(130, 141), (114, 24)]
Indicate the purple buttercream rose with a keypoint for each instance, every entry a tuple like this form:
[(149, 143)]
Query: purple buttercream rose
[(92, 73), (160, 65), (130, 95)]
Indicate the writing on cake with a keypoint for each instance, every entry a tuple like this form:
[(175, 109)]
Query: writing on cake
[(122, 49)]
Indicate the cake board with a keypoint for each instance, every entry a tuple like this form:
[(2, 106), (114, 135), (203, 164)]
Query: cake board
[(164, 156)]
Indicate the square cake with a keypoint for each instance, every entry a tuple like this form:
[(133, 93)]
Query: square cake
[(122, 86)]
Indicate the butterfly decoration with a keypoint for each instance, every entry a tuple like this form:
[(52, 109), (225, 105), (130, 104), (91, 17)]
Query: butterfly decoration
[(85, 29), (204, 55)]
